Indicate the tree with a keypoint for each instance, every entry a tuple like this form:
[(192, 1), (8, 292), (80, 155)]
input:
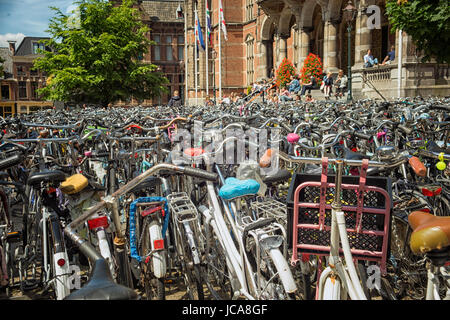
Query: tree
[(427, 22), (312, 66), (96, 56), (284, 73), (1, 66)]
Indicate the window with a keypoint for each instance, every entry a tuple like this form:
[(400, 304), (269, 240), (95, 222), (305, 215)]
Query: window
[(33, 73), (169, 52), (21, 71), (22, 89), (180, 52), (249, 10), (34, 87), (37, 46), (250, 42), (156, 48), (5, 92)]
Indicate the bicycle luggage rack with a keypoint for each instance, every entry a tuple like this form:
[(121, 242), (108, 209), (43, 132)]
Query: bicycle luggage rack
[(367, 210), (270, 208), (182, 207)]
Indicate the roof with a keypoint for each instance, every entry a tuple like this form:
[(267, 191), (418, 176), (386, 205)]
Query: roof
[(26, 47), (162, 10)]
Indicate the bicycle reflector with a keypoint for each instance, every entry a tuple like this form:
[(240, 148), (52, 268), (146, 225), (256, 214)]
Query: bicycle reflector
[(431, 191), (61, 262), (158, 244), (100, 222)]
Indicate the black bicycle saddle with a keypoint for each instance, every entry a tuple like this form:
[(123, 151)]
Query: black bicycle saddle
[(101, 286)]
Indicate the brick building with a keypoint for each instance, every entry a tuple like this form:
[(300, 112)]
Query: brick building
[(263, 32), (20, 83)]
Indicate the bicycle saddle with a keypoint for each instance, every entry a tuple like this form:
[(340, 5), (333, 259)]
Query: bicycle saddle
[(4, 175), (234, 188), (293, 138), (101, 286), (430, 232), (278, 176), (348, 154), (46, 176), (74, 184)]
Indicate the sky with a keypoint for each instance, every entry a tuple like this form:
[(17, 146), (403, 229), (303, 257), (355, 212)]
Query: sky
[(20, 18)]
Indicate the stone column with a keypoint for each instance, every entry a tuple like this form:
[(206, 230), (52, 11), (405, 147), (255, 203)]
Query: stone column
[(283, 47), (330, 52), (304, 39), (363, 39), (263, 61)]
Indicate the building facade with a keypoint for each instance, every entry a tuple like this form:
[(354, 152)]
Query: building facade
[(261, 33), (20, 82)]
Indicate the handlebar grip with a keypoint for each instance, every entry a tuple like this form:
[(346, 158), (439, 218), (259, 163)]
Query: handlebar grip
[(199, 173), (265, 160), (11, 161), (418, 166), (404, 129), (362, 135)]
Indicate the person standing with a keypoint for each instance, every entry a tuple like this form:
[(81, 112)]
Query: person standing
[(175, 101)]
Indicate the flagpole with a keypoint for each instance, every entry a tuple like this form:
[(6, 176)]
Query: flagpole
[(220, 57), (195, 53), (186, 96), (206, 44)]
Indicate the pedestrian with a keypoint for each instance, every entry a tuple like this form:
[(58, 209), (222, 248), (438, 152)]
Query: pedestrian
[(328, 82), (175, 101), (369, 60)]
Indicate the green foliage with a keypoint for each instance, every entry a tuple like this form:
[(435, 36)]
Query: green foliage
[(95, 58), (1, 66), (427, 22), (312, 66), (284, 73)]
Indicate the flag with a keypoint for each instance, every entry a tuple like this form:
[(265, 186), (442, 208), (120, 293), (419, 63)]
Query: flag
[(222, 20), (198, 32), (208, 19)]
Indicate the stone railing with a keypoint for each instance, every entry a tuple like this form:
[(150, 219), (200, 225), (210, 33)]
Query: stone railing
[(376, 74)]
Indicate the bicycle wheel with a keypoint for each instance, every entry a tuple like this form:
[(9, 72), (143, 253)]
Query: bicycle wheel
[(192, 274), (216, 269), (154, 287)]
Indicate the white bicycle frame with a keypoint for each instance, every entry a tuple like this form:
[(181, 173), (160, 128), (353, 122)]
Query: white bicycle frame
[(433, 282), (61, 277), (338, 275)]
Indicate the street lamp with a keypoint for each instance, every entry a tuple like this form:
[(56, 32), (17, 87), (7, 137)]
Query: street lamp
[(349, 15), (214, 54)]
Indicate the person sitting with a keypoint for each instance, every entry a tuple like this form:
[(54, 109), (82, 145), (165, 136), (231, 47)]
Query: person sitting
[(208, 102), (328, 83), (226, 100), (308, 86), (285, 95), (294, 85), (309, 98), (369, 60), (340, 84), (390, 56)]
